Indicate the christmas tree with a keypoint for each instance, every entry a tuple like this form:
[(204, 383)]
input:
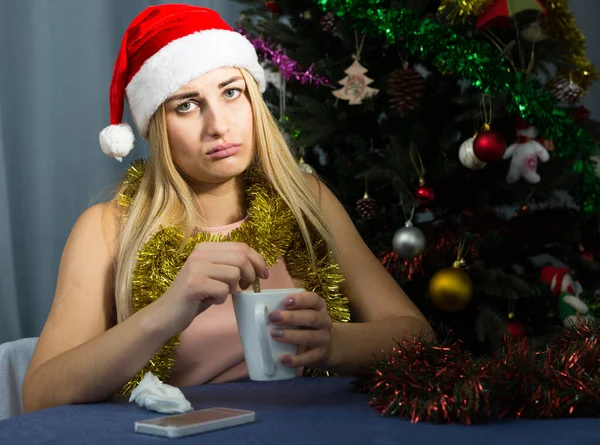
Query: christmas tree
[(464, 157)]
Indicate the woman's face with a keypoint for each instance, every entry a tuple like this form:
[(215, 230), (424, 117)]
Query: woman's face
[(209, 126)]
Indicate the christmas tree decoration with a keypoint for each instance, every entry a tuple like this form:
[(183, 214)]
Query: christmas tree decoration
[(565, 90), (389, 260), (501, 13), (366, 207), (330, 23), (356, 85), (524, 154), (596, 163), (461, 11), (273, 77), (560, 24), (425, 195), (508, 67), (289, 68), (560, 380), (558, 279), (585, 254), (516, 328), (409, 241), (304, 167), (467, 156), (479, 64), (581, 113), (573, 311), (450, 289), (489, 146), (405, 89), (533, 33), (306, 15), (274, 6)]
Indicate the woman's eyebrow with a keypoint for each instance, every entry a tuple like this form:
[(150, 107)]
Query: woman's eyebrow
[(227, 82), (188, 95)]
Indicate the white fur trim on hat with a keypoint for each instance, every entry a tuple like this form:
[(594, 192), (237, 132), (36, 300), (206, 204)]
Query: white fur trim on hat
[(183, 60), (116, 141)]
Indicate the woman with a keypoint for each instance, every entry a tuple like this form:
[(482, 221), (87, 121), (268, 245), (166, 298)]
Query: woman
[(145, 280)]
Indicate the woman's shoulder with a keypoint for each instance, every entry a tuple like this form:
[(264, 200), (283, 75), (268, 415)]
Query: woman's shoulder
[(100, 220), (320, 191), (314, 184)]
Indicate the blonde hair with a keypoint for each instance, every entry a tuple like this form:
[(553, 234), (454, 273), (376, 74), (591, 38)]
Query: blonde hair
[(165, 198)]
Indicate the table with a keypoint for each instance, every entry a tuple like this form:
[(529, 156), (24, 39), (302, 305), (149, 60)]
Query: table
[(303, 411)]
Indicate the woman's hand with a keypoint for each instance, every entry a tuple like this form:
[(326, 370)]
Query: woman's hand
[(306, 313), (211, 273)]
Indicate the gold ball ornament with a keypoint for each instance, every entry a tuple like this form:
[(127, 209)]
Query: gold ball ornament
[(450, 289)]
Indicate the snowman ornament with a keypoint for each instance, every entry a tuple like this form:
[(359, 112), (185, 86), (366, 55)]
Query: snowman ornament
[(524, 154), (571, 309)]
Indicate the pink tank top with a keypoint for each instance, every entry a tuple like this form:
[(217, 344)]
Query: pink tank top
[(211, 349)]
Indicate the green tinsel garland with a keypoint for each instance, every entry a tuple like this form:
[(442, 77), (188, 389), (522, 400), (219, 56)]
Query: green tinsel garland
[(481, 64)]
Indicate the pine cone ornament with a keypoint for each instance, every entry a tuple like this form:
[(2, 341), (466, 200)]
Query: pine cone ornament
[(405, 88), (366, 207), (329, 22), (565, 90)]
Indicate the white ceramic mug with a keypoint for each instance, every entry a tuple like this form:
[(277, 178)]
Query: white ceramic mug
[(261, 352)]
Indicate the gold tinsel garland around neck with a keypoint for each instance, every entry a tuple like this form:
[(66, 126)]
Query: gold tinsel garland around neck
[(270, 228)]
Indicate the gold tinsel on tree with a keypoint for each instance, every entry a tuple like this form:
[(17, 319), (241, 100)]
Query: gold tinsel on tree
[(457, 11), (405, 89), (560, 25)]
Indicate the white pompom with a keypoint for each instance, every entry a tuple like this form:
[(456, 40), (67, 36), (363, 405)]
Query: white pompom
[(116, 141)]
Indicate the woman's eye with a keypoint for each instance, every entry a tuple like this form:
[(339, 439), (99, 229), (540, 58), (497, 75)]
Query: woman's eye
[(232, 93), (186, 107)]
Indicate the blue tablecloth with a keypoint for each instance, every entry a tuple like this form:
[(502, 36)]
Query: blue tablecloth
[(305, 411)]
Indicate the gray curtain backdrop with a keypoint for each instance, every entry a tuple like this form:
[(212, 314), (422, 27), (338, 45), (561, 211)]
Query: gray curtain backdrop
[(56, 62), (56, 59)]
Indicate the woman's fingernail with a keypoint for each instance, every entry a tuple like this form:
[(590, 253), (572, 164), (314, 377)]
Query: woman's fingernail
[(286, 360), (275, 317), (277, 333), (266, 275), (290, 301)]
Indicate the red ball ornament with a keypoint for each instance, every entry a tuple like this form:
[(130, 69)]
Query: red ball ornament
[(489, 146), (581, 113), (425, 195), (274, 6), (516, 329)]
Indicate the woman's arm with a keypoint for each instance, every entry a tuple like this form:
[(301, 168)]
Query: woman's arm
[(381, 310), (80, 356)]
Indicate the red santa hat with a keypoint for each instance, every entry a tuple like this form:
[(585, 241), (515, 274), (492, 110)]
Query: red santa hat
[(522, 124), (164, 48), (554, 276)]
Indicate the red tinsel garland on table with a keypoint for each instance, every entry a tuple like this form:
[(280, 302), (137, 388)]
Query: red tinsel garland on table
[(443, 383)]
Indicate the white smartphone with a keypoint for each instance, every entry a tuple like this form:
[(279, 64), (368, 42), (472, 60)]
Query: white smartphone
[(195, 422)]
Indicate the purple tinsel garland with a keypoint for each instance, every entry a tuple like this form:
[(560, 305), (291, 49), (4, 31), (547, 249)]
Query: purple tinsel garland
[(289, 69)]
